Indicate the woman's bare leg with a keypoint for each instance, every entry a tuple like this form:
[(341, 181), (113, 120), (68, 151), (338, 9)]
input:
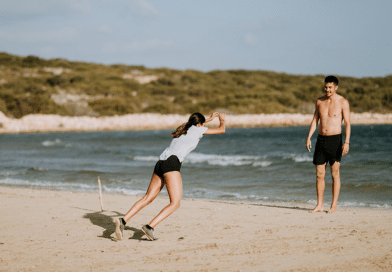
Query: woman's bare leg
[(173, 183), (155, 187)]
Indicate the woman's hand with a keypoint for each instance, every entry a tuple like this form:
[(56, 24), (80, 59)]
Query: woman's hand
[(209, 119), (215, 114), (222, 116)]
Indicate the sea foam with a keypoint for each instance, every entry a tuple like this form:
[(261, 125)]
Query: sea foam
[(216, 160)]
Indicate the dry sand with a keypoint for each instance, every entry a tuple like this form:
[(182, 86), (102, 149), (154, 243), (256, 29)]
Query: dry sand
[(56, 123), (64, 231)]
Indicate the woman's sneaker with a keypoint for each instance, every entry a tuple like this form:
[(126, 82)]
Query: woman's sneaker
[(119, 229), (149, 232)]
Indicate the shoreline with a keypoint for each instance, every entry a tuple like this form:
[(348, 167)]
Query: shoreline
[(49, 230), (38, 123), (271, 203)]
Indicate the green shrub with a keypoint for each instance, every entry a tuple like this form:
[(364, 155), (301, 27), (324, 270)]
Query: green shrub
[(76, 79), (55, 81), (165, 81), (7, 59), (111, 107), (287, 100), (387, 99), (159, 107), (37, 101), (32, 61)]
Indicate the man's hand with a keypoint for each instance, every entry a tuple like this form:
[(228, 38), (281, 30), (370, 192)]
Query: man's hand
[(345, 148), (308, 144)]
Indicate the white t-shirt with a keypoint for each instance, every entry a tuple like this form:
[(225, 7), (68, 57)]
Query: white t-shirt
[(184, 144)]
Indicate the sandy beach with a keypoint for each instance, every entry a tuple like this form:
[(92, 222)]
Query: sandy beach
[(56, 123), (65, 231)]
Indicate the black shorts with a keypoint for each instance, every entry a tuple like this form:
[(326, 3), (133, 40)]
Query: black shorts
[(328, 149), (170, 164)]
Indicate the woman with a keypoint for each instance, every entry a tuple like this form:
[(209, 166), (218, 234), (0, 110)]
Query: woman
[(167, 171)]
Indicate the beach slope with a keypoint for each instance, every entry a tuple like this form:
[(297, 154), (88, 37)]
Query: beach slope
[(44, 230)]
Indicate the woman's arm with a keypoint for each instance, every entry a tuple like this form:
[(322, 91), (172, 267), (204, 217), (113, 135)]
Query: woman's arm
[(209, 119), (221, 129)]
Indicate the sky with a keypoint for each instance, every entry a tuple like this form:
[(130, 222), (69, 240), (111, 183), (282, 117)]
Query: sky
[(302, 37)]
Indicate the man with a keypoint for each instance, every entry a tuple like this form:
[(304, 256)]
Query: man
[(331, 109)]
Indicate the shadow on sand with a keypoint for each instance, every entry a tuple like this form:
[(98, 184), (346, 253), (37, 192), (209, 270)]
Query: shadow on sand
[(282, 207), (105, 220), (267, 205), (292, 208)]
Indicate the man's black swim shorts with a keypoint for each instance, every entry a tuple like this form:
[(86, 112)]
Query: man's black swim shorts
[(328, 149)]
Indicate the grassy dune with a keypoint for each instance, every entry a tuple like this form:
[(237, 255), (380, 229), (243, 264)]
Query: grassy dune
[(32, 85)]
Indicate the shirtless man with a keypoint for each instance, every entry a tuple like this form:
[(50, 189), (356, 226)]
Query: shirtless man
[(331, 109)]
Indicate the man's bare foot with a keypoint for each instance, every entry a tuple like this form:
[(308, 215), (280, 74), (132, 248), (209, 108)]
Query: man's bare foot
[(332, 210), (317, 209)]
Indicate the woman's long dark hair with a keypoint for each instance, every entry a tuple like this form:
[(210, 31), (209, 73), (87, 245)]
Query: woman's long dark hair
[(194, 119)]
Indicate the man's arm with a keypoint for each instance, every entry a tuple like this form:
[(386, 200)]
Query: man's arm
[(347, 126), (312, 128)]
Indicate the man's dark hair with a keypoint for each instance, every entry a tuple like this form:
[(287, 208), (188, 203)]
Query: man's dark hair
[(332, 79)]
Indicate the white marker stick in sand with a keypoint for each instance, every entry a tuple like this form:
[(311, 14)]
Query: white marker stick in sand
[(100, 193)]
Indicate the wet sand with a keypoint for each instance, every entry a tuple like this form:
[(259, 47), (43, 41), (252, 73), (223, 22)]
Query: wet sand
[(44, 230)]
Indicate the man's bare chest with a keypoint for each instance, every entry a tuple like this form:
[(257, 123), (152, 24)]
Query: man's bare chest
[(330, 110)]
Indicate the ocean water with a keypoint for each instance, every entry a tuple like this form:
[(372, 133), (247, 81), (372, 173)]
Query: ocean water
[(254, 164)]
